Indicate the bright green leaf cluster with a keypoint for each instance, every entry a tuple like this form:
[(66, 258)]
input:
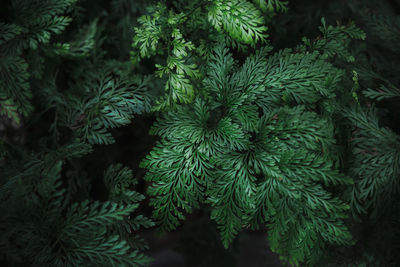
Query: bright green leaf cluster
[(265, 165), (239, 18), (169, 32)]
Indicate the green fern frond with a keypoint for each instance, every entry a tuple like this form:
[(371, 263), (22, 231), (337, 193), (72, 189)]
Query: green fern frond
[(113, 103), (240, 19), (224, 152), (335, 40), (58, 233), (272, 5), (83, 44), (382, 93), (376, 162), (301, 78)]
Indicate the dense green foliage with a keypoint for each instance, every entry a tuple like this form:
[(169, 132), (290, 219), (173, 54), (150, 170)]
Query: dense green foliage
[(275, 116), (49, 217), (248, 164)]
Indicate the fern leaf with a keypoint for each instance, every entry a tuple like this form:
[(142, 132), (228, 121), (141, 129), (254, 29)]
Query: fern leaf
[(239, 18)]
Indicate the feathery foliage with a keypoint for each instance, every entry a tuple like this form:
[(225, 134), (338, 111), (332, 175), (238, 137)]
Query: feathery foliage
[(367, 125), (255, 162), (67, 95), (163, 32), (35, 23), (41, 227), (264, 121)]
